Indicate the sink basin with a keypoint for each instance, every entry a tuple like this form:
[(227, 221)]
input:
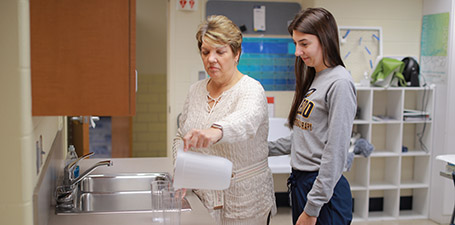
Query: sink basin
[(116, 193), (132, 201), (120, 182)]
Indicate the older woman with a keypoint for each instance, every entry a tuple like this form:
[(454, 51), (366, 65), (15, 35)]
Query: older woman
[(226, 115)]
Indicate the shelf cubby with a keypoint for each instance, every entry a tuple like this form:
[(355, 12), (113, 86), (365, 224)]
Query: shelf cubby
[(364, 105), (415, 171), (363, 130), (387, 104), (386, 139), (417, 137), (389, 208), (358, 174), (384, 173), (419, 99), (360, 205), (417, 207)]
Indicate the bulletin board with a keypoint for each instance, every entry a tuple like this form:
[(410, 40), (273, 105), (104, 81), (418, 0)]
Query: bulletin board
[(359, 49), (267, 55), (277, 14), (270, 61)]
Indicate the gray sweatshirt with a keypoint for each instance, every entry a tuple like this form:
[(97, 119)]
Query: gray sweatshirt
[(321, 133)]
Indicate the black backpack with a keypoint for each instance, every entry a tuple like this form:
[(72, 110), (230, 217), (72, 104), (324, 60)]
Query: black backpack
[(411, 71)]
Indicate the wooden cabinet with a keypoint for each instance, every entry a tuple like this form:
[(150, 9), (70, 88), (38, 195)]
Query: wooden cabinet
[(83, 57)]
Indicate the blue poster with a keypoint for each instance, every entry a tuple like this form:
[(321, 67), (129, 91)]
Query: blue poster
[(270, 61)]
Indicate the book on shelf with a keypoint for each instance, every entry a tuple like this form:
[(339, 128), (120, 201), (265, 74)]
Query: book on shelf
[(415, 115), (416, 118), (413, 112)]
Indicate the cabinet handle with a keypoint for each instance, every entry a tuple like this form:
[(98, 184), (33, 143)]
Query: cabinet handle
[(87, 119)]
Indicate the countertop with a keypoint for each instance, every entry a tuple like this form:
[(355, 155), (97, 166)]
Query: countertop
[(197, 216)]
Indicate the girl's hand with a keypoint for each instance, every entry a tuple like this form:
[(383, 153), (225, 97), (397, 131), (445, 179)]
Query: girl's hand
[(305, 219), (201, 138)]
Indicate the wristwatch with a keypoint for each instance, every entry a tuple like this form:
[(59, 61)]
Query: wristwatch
[(219, 127)]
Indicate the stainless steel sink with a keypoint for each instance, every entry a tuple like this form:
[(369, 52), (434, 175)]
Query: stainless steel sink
[(120, 182), (116, 193), (132, 201)]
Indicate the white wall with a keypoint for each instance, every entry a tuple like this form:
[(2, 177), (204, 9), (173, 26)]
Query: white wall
[(19, 130), (151, 47), (441, 196), (149, 123), (400, 21)]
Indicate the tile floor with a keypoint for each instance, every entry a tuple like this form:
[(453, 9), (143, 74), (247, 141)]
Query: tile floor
[(283, 217)]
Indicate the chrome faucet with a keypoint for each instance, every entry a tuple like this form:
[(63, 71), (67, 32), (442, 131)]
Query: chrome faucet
[(88, 171), (68, 171), (65, 194)]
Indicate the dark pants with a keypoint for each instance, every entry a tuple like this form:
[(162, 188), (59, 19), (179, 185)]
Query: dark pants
[(338, 211)]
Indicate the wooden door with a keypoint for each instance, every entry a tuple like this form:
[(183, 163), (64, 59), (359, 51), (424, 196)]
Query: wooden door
[(121, 136), (78, 134), (83, 57)]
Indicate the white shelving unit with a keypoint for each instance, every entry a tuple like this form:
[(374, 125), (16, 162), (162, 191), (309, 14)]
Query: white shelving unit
[(390, 173)]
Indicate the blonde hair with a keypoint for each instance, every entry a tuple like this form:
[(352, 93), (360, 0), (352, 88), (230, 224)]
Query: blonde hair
[(218, 30)]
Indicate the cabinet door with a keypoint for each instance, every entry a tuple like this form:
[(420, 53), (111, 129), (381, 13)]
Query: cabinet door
[(83, 57)]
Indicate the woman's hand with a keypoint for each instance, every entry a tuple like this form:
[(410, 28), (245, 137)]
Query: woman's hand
[(201, 138), (305, 219), (182, 192)]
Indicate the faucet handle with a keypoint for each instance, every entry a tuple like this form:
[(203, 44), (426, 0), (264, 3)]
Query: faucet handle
[(105, 162), (74, 163), (68, 170)]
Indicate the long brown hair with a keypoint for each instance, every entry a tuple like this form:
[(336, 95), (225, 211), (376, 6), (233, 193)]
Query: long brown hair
[(319, 22)]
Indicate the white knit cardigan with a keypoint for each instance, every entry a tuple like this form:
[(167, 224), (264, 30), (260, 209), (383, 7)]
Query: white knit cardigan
[(242, 112)]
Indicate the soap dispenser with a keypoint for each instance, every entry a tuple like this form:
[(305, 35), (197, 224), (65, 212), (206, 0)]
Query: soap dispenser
[(71, 156)]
